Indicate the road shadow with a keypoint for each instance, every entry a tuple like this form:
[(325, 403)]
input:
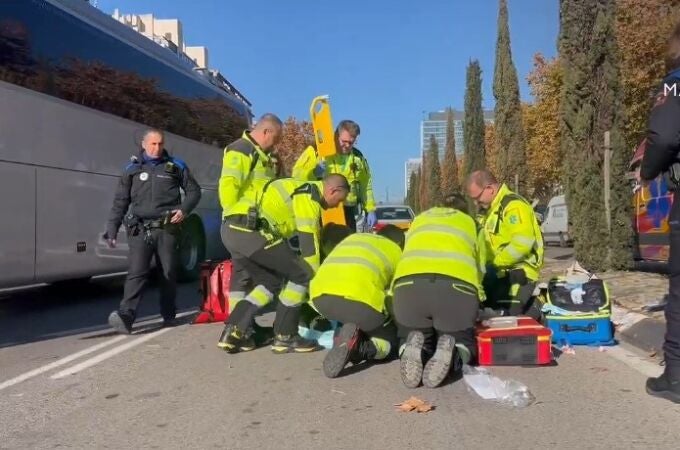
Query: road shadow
[(56, 311)]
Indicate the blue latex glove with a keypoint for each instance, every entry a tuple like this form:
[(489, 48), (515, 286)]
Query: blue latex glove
[(320, 169), (371, 219)]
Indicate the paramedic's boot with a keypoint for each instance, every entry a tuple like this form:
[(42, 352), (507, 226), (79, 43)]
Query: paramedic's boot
[(461, 357), (237, 335), (666, 386), (293, 343), (345, 344), (234, 340), (286, 337), (437, 368), (262, 335), (120, 322), (411, 364)]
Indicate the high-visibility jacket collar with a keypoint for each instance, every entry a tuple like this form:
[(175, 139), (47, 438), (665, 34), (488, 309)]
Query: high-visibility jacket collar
[(502, 192), (246, 135)]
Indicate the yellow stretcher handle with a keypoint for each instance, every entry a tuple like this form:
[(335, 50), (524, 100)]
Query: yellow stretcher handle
[(324, 136)]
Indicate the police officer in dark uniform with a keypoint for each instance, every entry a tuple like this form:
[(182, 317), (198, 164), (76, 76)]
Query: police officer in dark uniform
[(662, 157), (150, 187)]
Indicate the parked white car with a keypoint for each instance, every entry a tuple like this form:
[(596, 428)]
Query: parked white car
[(555, 226)]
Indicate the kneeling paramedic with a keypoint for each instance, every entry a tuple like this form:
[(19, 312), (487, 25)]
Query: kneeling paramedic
[(350, 288), (257, 232), (150, 188), (437, 289), (514, 245)]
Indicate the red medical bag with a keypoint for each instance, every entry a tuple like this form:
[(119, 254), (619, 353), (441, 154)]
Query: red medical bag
[(215, 280), (526, 344)]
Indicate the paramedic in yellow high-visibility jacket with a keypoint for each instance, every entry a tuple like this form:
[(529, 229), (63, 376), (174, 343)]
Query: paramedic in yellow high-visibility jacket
[(348, 161), (351, 287), (257, 233), (247, 166), (514, 245), (437, 290)]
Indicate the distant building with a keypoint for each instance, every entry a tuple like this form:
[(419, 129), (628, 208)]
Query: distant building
[(168, 33), (412, 165), (435, 124), (165, 32)]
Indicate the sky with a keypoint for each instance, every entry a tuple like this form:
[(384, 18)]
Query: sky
[(383, 63)]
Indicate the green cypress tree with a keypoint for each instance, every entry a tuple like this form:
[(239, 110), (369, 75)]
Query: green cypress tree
[(423, 186), (591, 105), (473, 123), (450, 182), (434, 173), (508, 112), (412, 190), (416, 191)]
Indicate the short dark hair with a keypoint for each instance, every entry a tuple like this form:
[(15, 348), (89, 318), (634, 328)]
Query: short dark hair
[(331, 235), (337, 180), (456, 201), (394, 234), (350, 126)]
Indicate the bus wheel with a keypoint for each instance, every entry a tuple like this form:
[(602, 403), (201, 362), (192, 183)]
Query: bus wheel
[(191, 251)]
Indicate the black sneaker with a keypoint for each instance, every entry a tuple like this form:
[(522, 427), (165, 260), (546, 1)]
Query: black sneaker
[(411, 364), (170, 322), (262, 335), (345, 343), (122, 324), (233, 340), (247, 343), (437, 368), (664, 387), (294, 344)]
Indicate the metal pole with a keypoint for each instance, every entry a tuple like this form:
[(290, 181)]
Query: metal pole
[(607, 181)]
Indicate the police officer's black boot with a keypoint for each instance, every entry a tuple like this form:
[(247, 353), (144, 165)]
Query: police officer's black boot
[(121, 322), (667, 385), (237, 335), (286, 337)]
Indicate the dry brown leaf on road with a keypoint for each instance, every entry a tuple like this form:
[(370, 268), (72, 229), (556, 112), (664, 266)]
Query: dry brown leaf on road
[(414, 403)]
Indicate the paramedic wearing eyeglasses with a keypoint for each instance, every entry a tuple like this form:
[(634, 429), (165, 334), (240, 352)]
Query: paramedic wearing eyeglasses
[(514, 244), (661, 157), (348, 161)]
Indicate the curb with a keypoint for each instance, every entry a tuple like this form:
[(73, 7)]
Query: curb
[(640, 331)]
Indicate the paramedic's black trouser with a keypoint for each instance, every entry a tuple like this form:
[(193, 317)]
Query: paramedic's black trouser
[(500, 295), (350, 217), (439, 303), (370, 321), (268, 263), (671, 346), (163, 246)]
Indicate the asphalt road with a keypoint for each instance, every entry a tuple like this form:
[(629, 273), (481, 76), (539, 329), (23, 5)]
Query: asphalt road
[(67, 382)]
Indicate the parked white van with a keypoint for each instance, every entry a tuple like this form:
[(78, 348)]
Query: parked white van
[(555, 226)]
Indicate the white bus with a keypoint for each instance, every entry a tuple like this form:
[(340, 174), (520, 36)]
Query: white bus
[(77, 90)]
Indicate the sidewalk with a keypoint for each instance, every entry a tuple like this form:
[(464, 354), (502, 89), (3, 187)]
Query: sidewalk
[(629, 292)]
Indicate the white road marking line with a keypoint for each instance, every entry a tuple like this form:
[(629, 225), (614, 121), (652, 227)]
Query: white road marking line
[(634, 361), (59, 362), (113, 352), (106, 355)]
